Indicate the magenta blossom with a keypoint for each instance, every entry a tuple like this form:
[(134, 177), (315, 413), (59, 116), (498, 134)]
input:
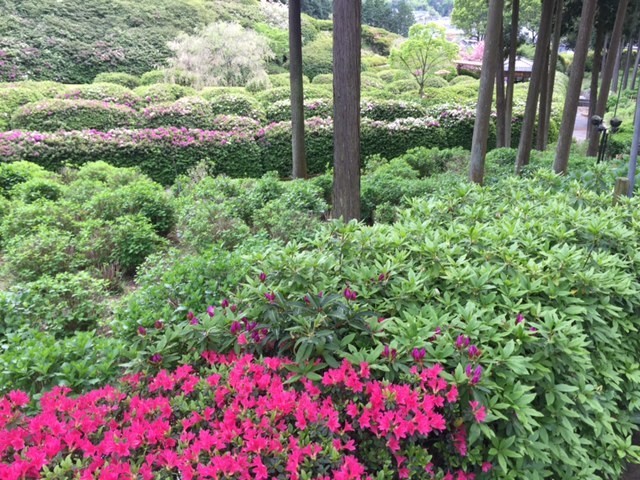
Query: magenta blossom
[(390, 353), (350, 294), (156, 358), (270, 296), (142, 331), (519, 318), (418, 354), (473, 374), (159, 324), (235, 327), (211, 310), (474, 352), (262, 277), (462, 342), (224, 303)]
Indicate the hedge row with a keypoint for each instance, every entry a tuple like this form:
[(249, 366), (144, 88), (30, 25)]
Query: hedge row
[(244, 151)]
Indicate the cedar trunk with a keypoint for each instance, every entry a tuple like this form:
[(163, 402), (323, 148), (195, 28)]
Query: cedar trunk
[(297, 93), (595, 72), (575, 84), (635, 68), (607, 74), (346, 109), (537, 77), (615, 82), (543, 133), (500, 100), (513, 48), (485, 94), (627, 64)]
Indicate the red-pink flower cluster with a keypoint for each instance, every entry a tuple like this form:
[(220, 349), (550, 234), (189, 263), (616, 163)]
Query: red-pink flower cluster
[(241, 418)]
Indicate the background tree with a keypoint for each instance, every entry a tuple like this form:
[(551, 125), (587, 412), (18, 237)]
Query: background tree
[(565, 138), (317, 8), (424, 52), (490, 64), (402, 17), (396, 17), (607, 74), (224, 54), (297, 92), (513, 47), (470, 16), (346, 109)]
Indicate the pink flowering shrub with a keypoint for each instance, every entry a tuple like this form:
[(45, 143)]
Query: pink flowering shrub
[(242, 418)]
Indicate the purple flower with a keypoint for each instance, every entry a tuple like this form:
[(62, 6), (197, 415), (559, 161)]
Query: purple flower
[(262, 276), (142, 331), (474, 374), (234, 307), (389, 352), (418, 354), (519, 318), (159, 324), (224, 303), (156, 358), (270, 296), (474, 352), (382, 277), (462, 342), (533, 329), (235, 327), (350, 294), (211, 310)]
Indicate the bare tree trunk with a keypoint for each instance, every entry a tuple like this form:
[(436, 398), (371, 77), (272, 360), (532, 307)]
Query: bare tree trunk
[(537, 74), (607, 74), (627, 64), (346, 109), (595, 71), (615, 82), (485, 94), (513, 48), (575, 84), (543, 132), (297, 92), (542, 106), (635, 69), (500, 100)]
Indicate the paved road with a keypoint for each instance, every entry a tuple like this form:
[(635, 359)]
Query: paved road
[(581, 127)]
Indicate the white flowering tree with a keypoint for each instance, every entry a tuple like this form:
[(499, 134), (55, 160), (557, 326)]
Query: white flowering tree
[(222, 54), (425, 52)]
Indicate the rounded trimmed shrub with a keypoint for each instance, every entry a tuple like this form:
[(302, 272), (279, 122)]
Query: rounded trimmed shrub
[(462, 79), (281, 111), (228, 123), (323, 79), (283, 80), (152, 77), (211, 93), (240, 105), (11, 98), (105, 92), (435, 82), (26, 218), (119, 78), (317, 56), (188, 112), (134, 239), (390, 110), (163, 92), (57, 114), (104, 172), (402, 86), (38, 189), (15, 173)]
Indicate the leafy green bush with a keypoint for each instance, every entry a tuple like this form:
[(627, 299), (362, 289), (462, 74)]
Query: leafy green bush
[(462, 79), (15, 173), (152, 77), (108, 174), (393, 74), (188, 112), (240, 105), (53, 115), (283, 80), (281, 111), (163, 92), (430, 161), (144, 197), (38, 189), (27, 218), (402, 86), (119, 78), (13, 97), (323, 79), (45, 251), (211, 93), (503, 157), (390, 110), (47, 89), (435, 82), (59, 305), (317, 56), (105, 92), (134, 239)]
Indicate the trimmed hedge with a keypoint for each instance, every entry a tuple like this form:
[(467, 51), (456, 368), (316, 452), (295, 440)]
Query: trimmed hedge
[(281, 111), (13, 97), (106, 92), (163, 92), (188, 112), (57, 114), (241, 105), (390, 110), (119, 78)]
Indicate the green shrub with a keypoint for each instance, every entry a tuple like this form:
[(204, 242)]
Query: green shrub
[(240, 105), (402, 86), (503, 157), (370, 82), (26, 218), (390, 110), (228, 123), (47, 89), (46, 251), (430, 161), (268, 97), (323, 79), (53, 115), (394, 138), (462, 79), (281, 111), (392, 75), (15, 173), (145, 198), (11, 99), (38, 189), (119, 78), (106, 173), (435, 82), (105, 92), (134, 239), (59, 305), (283, 80), (152, 77), (372, 62), (188, 112), (163, 92), (317, 56), (211, 93)]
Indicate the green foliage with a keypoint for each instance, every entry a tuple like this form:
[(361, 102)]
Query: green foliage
[(119, 78), (163, 92), (13, 97), (187, 112), (15, 173), (59, 305), (317, 56), (281, 111), (435, 82), (134, 239), (462, 79), (424, 52), (283, 80), (38, 189), (240, 105), (57, 114), (403, 86), (323, 79), (392, 75), (430, 161), (105, 92), (152, 77), (391, 110)]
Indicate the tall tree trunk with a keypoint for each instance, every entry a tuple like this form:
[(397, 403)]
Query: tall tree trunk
[(500, 100), (607, 74), (537, 74), (543, 133), (627, 64), (542, 103), (346, 109), (595, 71), (565, 138), (615, 82), (297, 92), (635, 68), (485, 94), (513, 49)]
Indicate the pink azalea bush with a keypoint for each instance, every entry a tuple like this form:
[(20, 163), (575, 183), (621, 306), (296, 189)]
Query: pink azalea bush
[(244, 418)]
